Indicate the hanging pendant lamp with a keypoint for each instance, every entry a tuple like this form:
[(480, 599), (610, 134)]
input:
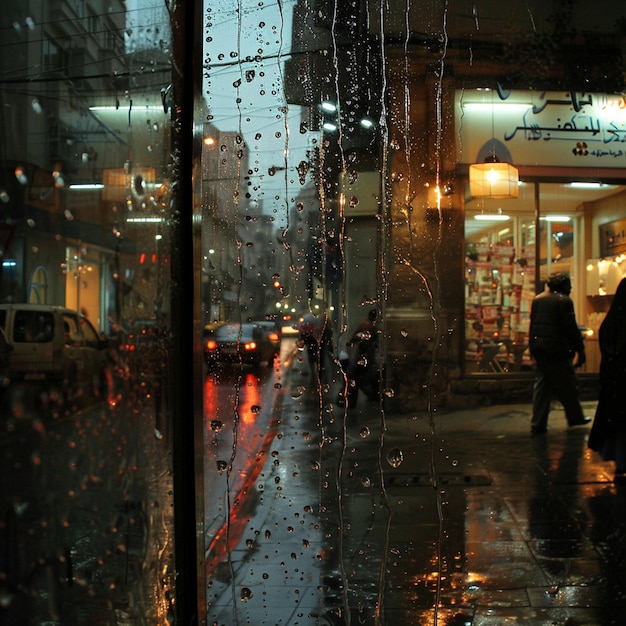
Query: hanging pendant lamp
[(493, 179)]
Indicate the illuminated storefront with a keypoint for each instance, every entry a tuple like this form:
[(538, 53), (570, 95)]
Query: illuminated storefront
[(567, 149)]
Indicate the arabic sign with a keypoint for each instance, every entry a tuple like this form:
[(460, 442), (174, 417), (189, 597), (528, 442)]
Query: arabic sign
[(541, 128)]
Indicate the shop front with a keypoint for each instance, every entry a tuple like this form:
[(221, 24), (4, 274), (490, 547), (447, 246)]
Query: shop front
[(561, 212)]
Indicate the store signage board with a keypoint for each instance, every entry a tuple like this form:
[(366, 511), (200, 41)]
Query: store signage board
[(613, 238), (566, 129)]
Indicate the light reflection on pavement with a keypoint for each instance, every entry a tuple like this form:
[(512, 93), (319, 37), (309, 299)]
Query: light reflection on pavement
[(264, 541)]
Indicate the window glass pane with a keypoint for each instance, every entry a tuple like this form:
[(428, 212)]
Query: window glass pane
[(334, 204), (256, 256), (85, 441)]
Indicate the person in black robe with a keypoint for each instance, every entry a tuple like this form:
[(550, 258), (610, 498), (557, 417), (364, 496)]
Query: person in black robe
[(608, 431)]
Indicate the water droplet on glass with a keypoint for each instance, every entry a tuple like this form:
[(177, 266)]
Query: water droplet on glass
[(366, 482), (217, 425), (222, 465), (395, 457), (245, 594), (364, 432)]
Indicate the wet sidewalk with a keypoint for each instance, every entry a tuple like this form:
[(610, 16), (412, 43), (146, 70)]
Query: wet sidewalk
[(495, 526)]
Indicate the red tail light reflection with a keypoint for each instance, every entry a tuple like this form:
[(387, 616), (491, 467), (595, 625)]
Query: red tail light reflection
[(249, 399), (211, 398)]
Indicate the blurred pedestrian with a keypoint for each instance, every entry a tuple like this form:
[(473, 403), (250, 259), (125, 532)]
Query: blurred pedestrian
[(361, 364), (554, 341), (608, 431), (315, 334)]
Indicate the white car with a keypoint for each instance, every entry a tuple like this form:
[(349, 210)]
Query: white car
[(54, 346)]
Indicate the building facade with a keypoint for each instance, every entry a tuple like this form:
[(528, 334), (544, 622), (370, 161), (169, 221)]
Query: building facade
[(463, 86)]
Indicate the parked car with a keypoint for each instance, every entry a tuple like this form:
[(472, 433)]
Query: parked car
[(56, 346), (246, 343)]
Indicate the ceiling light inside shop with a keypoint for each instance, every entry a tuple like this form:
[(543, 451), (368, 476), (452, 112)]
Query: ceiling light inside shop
[(492, 217), (556, 218), (144, 220), (87, 186), (589, 185)]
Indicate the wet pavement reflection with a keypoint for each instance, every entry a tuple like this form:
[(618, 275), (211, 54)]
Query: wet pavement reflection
[(315, 513), (365, 517)]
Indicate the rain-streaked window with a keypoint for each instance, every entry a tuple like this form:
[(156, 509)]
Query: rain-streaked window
[(253, 254)]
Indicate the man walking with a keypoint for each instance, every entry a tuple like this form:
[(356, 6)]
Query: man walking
[(554, 340)]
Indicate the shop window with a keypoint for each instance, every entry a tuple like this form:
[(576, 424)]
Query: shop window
[(500, 284), (507, 264)]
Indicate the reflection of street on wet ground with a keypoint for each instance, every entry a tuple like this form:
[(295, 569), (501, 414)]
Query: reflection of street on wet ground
[(326, 510), (391, 515), (517, 539)]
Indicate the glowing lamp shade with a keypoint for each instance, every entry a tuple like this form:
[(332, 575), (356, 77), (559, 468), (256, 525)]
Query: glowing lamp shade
[(493, 180)]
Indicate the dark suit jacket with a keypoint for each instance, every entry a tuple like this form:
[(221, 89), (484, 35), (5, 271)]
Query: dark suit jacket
[(554, 334)]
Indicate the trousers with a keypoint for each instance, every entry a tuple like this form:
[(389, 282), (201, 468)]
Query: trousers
[(555, 380)]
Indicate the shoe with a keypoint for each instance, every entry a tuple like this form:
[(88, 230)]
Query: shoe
[(582, 422), (538, 431)]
